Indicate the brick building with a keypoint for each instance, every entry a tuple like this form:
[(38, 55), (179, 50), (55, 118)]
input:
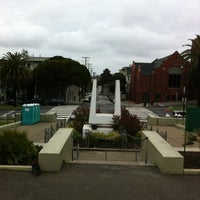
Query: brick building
[(160, 81)]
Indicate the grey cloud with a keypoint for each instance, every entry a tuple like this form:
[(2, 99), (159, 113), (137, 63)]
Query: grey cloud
[(112, 32)]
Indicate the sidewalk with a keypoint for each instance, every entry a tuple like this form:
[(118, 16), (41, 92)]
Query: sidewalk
[(36, 132)]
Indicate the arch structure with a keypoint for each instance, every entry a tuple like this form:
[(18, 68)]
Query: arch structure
[(104, 118)]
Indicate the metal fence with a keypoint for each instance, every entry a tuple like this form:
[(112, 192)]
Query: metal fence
[(8, 117), (49, 132), (124, 144)]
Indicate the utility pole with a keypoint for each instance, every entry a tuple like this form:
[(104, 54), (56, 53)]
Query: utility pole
[(86, 60), (90, 67)]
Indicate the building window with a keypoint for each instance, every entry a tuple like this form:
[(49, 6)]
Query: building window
[(174, 77)]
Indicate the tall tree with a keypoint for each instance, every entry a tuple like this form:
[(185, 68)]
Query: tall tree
[(62, 72), (13, 72), (192, 55), (106, 77)]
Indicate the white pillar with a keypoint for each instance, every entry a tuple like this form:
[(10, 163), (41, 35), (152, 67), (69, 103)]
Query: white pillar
[(93, 101), (117, 106)]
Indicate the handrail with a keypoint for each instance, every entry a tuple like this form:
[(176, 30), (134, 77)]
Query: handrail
[(137, 141), (124, 136), (49, 132), (78, 146)]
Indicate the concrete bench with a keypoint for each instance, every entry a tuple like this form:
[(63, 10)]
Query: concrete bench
[(162, 154), (57, 151)]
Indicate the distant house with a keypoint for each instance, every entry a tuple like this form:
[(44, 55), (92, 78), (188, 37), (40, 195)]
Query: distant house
[(162, 80), (33, 62)]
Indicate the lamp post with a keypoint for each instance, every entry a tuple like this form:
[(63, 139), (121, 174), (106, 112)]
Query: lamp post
[(184, 100), (184, 118)]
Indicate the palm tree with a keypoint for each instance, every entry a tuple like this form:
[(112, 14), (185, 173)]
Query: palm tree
[(192, 55), (13, 72)]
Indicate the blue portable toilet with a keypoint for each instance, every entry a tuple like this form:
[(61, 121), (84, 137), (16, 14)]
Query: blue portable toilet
[(30, 114), (27, 114)]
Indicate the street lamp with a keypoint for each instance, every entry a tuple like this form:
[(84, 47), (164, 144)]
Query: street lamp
[(184, 100)]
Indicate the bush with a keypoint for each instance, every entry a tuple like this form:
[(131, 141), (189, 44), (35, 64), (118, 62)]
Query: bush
[(15, 148), (128, 122), (81, 117), (102, 140)]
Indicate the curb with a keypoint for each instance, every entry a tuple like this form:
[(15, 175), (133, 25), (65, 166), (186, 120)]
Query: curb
[(191, 171), (106, 162), (25, 168)]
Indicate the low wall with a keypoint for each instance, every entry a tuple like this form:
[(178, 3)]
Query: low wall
[(57, 151), (44, 117), (164, 121), (162, 154), (10, 125), (48, 117)]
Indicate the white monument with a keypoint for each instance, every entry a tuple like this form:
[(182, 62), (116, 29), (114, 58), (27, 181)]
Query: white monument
[(104, 118)]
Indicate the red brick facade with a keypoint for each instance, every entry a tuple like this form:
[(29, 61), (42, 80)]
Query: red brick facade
[(160, 81)]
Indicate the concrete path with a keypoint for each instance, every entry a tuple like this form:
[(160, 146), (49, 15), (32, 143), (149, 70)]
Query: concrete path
[(63, 112), (141, 112), (36, 132)]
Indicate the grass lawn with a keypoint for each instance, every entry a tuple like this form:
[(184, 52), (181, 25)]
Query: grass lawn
[(9, 108)]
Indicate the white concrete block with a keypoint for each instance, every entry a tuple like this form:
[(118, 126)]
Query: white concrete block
[(162, 154), (57, 150)]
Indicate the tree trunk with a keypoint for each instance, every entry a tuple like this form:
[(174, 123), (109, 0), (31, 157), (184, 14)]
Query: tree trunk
[(15, 95), (198, 96)]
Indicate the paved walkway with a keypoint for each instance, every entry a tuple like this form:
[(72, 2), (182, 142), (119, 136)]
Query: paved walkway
[(36, 132), (175, 136)]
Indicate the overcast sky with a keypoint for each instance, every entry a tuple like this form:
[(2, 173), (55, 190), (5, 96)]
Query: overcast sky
[(112, 33)]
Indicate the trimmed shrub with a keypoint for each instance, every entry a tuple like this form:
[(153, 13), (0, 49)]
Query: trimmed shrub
[(15, 148), (81, 117), (110, 140)]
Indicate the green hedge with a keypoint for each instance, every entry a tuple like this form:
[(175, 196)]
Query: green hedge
[(16, 149)]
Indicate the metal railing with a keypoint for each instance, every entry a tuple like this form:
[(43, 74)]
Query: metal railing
[(163, 134), (137, 144), (8, 117), (149, 127), (76, 148), (137, 141), (49, 132)]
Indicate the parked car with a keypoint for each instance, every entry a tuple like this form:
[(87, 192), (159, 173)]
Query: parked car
[(55, 102), (11, 102), (87, 97), (36, 100)]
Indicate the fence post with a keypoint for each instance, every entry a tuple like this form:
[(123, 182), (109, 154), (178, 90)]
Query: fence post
[(124, 139), (166, 135), (45, 135), (146, 150), (87, 138)]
